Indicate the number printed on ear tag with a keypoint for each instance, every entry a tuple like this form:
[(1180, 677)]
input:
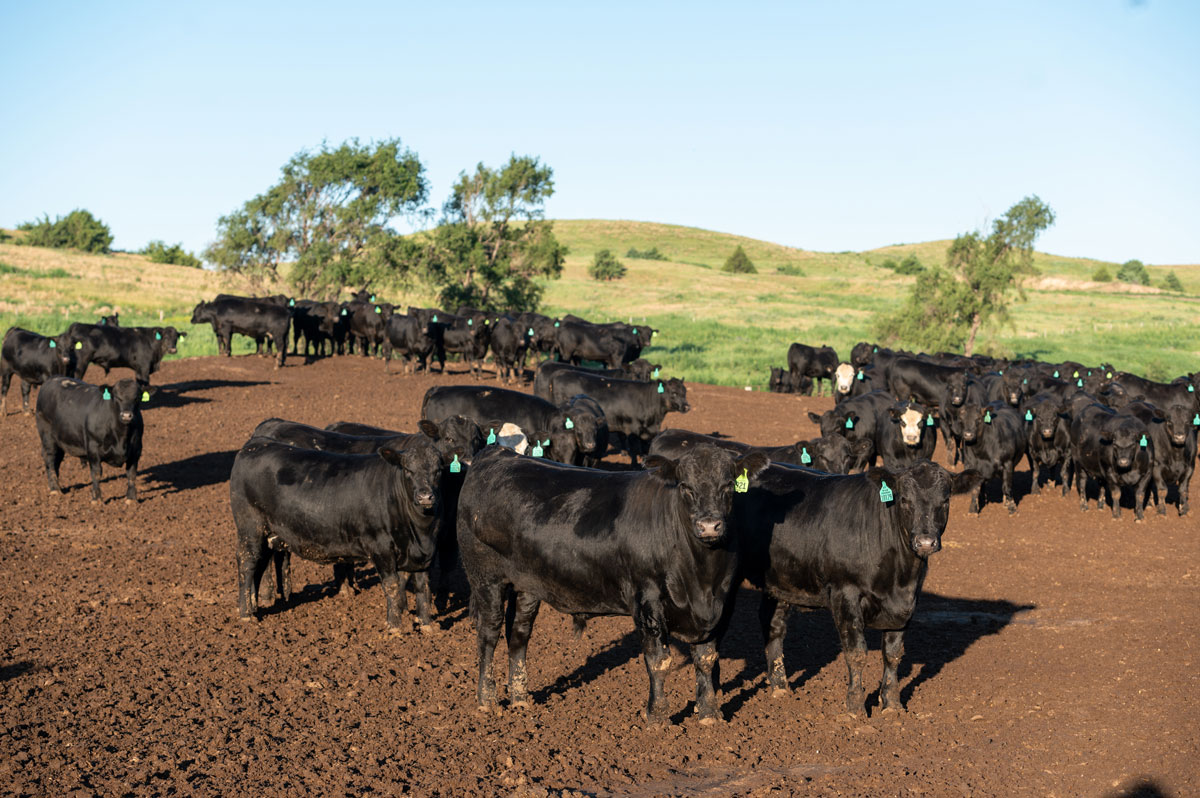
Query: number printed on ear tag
[(742, 483)]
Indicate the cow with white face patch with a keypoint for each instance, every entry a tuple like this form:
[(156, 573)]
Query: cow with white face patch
[(906, 433)]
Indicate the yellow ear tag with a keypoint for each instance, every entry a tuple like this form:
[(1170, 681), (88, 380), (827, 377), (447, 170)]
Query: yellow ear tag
[(742, 483)]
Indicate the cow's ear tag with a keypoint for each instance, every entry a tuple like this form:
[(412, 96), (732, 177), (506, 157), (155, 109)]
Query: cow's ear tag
[(158, 336), (654, 375), (1029, 415), (929, 421), (1191, 389), (859, 377), (1056, 374), (79, 344), (635, 330), (805, 457), (529, 331), (1076, 374), (106, 395), (1089, 372), (987, 417), (377, 310), (455, 466), (1025, 381), (1142, 442), (556, 324), (291, 303), (343, 311), (487, 321), (145, 396), (53, 345), (885, 493), (434, 317), (470, 322), (660, 388), (372, 299), (876, 349), (1001, 371), (537, 449), (1108, 376), (570, 424), (1196, 420), (742, 483), (849, 423), (491, 438), (1079, 382)]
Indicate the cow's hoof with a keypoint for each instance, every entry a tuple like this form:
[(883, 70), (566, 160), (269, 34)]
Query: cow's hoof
[(708, 721), (520, 703), (425, 628), (394, 631), (130, 501), (780, 692), (247, 618)]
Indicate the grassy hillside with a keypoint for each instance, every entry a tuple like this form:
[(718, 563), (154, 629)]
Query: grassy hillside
[(715, 327)]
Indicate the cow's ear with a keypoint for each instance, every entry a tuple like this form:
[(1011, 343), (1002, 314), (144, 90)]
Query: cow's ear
[(428, 428), (814, 417), (965, 482), (895, 411), (392, 455), (861, 447), (878, 476), (665, 467), (752, 463)]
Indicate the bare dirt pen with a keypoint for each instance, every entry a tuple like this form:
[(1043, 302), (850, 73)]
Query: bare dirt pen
[(1053, 653)]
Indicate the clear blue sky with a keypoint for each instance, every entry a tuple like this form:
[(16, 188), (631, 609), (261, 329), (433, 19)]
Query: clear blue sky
[(828, 126)]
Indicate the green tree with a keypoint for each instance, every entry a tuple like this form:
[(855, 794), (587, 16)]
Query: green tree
[(739, 262), (78, 230), (1102, 275), (946, 307), (158, 252), (493, 241), (329, 216), (1171, 283), (1133, 271), (605, 266)]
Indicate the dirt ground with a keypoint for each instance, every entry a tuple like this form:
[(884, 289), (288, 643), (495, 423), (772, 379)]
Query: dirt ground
[(1053, 653)]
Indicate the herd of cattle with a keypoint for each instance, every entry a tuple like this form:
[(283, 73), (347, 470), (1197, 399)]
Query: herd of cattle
[(511, 485)]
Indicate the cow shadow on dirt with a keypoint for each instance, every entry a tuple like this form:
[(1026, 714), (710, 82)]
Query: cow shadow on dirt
[(175, 394), (12, 670), (197, 471)]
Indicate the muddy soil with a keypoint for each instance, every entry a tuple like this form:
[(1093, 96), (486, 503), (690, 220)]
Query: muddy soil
[(1053, 652)]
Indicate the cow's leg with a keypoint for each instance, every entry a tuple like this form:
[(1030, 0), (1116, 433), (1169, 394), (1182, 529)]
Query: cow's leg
[(25, 389), (1160, 491), (282, 344), (343, 579), (1139, 499), (52, 456), (1006, 485), (283, 575), (5, 381), (772, 617), (525, 610), (131, 482), (1183, 490), (394, 582), (889, 685), (1081, 490), (847, 616), (487, 607), (1036, 489), (252, 556), (94, 467), (420, 583), (704, 658), (1114, 494), (653, 628), (977, 498)]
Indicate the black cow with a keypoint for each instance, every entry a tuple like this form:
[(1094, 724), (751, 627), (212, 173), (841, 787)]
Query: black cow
[(1049, 438), (858, 545), (994, 440), (1116, 451), (833, 454), (509, 347), (337, 508), (856, 419), (414, 342), (314, 322), (138, 348), (247, 317), (576, 342), (634, 410), (586, 417), (1159, 394), (96, 423), (642, 370), (782, 381), (914, 380), (546, 371), (1173, 435), (32, 357), (468, 336), (552, 533), (368, 321), (810, 361), (540, 420), (113, 320)]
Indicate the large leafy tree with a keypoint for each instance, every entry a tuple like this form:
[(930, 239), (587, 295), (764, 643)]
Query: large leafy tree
[(981, 279), (329, 216), (493, 240)]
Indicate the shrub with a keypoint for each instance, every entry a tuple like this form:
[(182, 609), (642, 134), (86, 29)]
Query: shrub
[(159, 252), (1102, 275), (647, 254), (1171, 283), (78, 230), (910, 266), (739, 263), (605, 266), (1133, 271), (790, 269)]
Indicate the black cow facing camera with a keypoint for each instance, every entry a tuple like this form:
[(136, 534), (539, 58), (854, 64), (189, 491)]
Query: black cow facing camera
[(96, 423)]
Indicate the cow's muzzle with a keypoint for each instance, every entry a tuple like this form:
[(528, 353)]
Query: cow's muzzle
[(924, 545), (709, 529)]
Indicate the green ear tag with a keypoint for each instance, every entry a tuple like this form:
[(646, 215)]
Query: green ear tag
[(556, 324), (491, 437), (849, 423), (876, 349), (470, 322), (53, 345), (635, 330), (79, 344), (1142, 442), (377, 310), (145, 396), (1056, 374), (987, 417), (570, 424), (929, 421), (1191, 389), (885, 493), (372, 299), (1196, 420), (291, 303), (434, 317), (1079, 382), (455, 466), (343, 311), (1089, 372), (805, 457), (158, 336), (529, 331), (1025, 381), (1001, 371), (859, 377), (1029, 415), (660, 388), (742, 483), (537, 449), (654, 375), (106, 395)]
